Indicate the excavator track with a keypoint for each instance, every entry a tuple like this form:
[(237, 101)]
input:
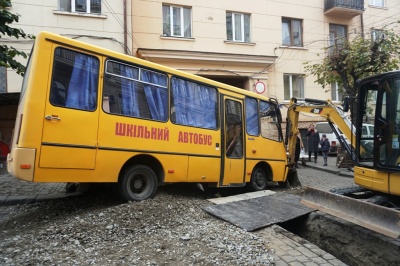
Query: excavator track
[(377, 218)]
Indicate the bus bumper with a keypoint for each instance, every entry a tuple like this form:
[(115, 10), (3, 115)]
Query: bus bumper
[(22, 168)]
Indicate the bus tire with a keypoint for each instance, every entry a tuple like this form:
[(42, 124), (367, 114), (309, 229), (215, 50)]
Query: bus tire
[(137, 183), (258, 179)]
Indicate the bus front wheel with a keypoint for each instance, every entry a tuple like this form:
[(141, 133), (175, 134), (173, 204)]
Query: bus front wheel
[(137, 183), (258, 180)]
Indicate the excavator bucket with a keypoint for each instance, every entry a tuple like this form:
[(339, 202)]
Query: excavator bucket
[(383, 220)]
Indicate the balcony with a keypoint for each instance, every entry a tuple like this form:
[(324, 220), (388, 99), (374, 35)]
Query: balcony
[(344, 8)]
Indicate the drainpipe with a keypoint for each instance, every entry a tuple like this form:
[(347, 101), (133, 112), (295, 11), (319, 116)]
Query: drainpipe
[(362, 25), (125, 30)]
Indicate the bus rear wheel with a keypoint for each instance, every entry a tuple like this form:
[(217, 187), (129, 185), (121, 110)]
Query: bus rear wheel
[(258, 180), (137, 183)]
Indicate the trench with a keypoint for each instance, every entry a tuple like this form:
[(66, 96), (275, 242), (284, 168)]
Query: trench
[(348, 242)]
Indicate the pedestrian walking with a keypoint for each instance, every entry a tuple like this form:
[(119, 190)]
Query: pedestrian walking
[(325, 148), (313, 142)]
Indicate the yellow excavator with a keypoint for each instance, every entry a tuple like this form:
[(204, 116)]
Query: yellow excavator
[(376, 157)]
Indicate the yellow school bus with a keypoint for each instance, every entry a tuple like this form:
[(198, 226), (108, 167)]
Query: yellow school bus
[(88, 114)]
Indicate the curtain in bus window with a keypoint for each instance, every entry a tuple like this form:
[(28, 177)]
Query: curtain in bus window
[(179, 95), (130, 105), (252, 125), (82, 89), (156, 96), (193, 104), (208, 101)]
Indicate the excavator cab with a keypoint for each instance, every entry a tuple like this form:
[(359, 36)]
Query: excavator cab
[(379, 161), (376, 154)]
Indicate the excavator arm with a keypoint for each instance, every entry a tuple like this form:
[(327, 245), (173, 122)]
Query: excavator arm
[(374, 217), (333, 114)]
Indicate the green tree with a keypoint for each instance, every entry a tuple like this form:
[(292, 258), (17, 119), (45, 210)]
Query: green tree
[(8, 54), (356, 59)]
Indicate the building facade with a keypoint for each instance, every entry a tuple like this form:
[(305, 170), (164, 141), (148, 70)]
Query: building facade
[(103, 23), (257, 45), (248, 43)]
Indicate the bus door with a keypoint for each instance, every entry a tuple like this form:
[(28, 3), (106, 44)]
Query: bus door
[(70, 120), (233, 143)]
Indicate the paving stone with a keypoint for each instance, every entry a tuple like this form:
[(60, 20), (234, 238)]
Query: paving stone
[(319, 260), (296, 253), (328, 256), (306, 252), (280, 263), (310, 264), (303, 258), (296, 263), (288, 258), (337, 262)]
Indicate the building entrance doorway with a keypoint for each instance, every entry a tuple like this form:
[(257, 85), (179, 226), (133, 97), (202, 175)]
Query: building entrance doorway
[(240, 82)]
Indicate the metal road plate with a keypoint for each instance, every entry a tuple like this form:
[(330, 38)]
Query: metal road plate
[(260, 212)]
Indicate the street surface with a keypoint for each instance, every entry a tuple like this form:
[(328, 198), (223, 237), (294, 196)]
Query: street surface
[(171, 229)]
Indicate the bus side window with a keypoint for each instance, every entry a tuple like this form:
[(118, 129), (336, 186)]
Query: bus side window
[(234, 131), (269, 122), (135, 92), (252, 117), (74, 81), (193, 104)]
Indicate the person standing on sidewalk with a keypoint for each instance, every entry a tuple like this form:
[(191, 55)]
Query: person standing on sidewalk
[(313, 142), (325, 148), (299, 147)]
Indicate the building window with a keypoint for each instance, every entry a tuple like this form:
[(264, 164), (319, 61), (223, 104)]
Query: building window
[(293, 86), (3, 80), (337, 37), (292, 32), (238, 27), (380, 3), (177, 21), (81, 6), (336, 92), (377, 35)]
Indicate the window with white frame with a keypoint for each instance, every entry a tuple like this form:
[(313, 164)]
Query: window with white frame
[(292, 32), (177, 21), (80, 6), (238, 27), (380, 3), (293, 86), (336, 92), (3, 80), (377, 35)]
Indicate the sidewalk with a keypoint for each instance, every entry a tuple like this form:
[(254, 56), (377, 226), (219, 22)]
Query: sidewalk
[(14, 191), (330, 168)]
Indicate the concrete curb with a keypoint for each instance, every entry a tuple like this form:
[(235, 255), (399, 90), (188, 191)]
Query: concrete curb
[(339, 172), (28, 199)]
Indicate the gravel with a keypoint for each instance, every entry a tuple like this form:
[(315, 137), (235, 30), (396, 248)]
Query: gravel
[(97, 229)]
